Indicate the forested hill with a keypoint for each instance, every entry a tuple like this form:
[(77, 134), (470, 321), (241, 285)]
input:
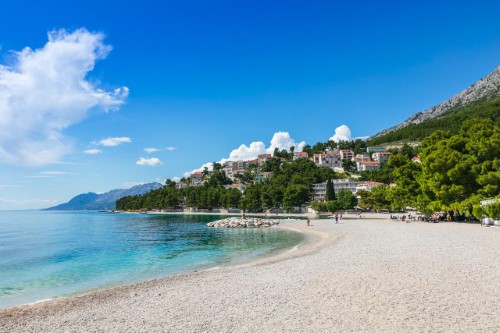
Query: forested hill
[(478, 101), (450, 121)]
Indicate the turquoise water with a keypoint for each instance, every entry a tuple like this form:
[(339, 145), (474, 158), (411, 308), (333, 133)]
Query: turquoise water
[(50, 254)]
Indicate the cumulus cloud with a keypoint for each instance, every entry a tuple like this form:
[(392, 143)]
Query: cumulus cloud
[(283, 140), (92, 151), (342, 133), (45, 91), (113, 142), (153, 161), (280, 140)]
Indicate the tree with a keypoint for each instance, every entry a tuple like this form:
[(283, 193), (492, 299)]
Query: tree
[(365, 201), (379, 196), (296, 195), (346, 200), (333, 206), (330, 190), (348, 165)]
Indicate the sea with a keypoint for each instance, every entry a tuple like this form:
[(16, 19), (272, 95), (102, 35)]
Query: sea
[(49, 254)]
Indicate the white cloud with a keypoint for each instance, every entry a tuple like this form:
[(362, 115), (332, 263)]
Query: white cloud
[(45, 91), (250, 152), (92, 151), (280, 140), (9, 186), (175, 179), (154, 150), (53, 173), (342, 133), (113, 142), (283, 140), (153, 161)]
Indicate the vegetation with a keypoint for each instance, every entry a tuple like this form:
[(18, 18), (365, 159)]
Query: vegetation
[(451, 122), (458, 169), (289, 187)]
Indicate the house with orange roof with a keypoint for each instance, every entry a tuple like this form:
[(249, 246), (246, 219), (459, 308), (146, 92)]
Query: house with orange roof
[(367, 186)]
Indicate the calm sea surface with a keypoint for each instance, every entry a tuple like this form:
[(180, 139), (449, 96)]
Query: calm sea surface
[(49, 254)]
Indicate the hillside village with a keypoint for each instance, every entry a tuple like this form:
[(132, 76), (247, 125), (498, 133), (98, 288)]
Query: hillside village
[(447, 173), (339, 160)]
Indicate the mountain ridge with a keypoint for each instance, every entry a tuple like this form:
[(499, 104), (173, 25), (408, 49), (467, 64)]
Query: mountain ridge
[(486, 88), (104, 201)]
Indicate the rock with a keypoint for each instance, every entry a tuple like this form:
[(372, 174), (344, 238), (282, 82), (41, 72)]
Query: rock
[(236, 222)]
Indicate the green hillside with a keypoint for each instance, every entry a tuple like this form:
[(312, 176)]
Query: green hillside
[(450, 121)]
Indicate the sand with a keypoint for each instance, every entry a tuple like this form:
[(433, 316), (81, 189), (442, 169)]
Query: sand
[(355, 276)]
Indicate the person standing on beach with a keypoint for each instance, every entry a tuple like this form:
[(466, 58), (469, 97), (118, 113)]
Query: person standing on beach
[(308, 222), (336, 218)]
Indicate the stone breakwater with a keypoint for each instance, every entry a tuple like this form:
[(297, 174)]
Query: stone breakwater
[(237, 222)]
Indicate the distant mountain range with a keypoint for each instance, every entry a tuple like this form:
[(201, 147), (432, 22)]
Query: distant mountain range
[(104, 201), (472, 102)]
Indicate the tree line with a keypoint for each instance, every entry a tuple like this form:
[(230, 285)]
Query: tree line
[(456, 172)]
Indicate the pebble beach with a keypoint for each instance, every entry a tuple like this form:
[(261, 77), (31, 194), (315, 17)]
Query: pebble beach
[(360, 275)]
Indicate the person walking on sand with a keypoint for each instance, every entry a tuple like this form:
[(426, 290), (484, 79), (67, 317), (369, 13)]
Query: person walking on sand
[(308, 222), (336, 218)]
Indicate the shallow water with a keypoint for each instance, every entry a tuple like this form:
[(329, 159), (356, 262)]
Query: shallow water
[(50, 254)]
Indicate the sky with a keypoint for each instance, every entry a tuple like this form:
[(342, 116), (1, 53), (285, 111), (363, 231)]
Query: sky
[(101, 95)]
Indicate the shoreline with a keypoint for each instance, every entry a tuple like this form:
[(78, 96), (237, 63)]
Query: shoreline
[(354, 276), (233, 263)]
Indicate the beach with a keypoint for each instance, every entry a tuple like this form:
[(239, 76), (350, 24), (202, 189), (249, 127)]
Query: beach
[(360, 275)]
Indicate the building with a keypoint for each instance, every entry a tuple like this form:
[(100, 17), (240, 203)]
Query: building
[(262, 158), (239, 187), (261, 177), (196, 178), (367, 186), (329, 160), (344, 184), (416, 159), (367, 166), (319, 189), (346, 154), (301, 154), (375, 149), (381, 157), (180, 185), (319, 192), (365, 157)]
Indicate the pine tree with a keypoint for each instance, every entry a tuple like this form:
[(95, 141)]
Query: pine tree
[(330, 191)]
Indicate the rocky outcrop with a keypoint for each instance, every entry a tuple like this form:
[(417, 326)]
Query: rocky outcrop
[(238, 222), (485, 88)]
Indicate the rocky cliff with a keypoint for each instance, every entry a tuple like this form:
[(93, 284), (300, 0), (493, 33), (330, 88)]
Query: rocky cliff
[(485, 88)]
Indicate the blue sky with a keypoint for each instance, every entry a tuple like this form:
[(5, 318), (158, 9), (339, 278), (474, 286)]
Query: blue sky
[(199, 79)]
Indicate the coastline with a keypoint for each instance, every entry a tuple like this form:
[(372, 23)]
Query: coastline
[(363, 276)]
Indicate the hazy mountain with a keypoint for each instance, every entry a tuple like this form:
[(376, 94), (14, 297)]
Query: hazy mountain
[(485, 89), (104, 201)]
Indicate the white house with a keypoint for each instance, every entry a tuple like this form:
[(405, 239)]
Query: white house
[(346, 154), (367, 186), (367, 166), (329, 160), (381, 157)]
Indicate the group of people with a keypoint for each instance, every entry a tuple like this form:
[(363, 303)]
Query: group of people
[(336, 217), (403, 218)]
